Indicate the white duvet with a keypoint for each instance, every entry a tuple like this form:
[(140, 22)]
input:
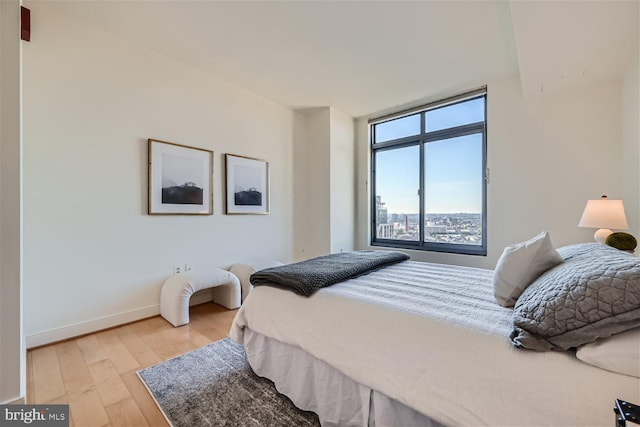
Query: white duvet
[(432, 337)]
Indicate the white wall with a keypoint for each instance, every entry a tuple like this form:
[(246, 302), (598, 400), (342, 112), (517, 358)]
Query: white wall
[(342, 176), (312, 153), (631, 143), (547, 156), (12, 350), (324, 182), (92, 256)]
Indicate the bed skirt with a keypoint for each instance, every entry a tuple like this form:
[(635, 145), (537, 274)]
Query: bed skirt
[(314, 385)]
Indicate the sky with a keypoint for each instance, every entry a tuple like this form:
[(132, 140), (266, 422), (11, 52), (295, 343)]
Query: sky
[(246, 177), (178, 170), (453, 167)]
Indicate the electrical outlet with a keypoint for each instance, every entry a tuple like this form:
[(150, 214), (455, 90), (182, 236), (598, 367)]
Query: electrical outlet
[(188, 268), (177, 269)]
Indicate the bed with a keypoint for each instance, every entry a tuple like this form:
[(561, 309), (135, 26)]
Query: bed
[(418, 344)]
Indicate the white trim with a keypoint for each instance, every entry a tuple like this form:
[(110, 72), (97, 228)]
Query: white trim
[(65, 332), (15, 401), (77, 329)]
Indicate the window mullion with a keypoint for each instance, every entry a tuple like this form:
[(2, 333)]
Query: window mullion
[(455, 132), (421, 217), (372, 190)]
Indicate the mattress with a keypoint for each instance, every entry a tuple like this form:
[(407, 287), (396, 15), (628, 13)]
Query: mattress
[(433, 338)]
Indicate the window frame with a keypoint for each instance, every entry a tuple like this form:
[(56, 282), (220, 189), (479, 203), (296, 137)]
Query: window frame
[(421, 140)]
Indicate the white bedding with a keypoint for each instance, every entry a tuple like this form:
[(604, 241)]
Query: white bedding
[(432, 337), (314, 385)]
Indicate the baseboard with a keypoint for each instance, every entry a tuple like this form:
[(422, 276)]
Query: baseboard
[(59, 334), (18, 401)]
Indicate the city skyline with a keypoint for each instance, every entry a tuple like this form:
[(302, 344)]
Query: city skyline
[(453, 228)]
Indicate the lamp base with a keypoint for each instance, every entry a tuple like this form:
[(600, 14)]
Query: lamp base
[(602, 234)]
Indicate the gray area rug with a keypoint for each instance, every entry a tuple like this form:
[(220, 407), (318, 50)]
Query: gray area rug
[(215, 386)]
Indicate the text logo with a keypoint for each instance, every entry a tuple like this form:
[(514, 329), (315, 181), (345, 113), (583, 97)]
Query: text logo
[(34, 415)]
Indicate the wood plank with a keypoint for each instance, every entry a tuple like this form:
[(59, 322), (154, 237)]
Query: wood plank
[(30, 397), (218, 321), (214, 310), (75, 373), (227, 315), (145, 402), (153, 337), (219, 314), (209, 307), (191, 333), (180, 343), (137, 347), (64, 400), (91, 349), (206, 328), (126, 414), (47, 378), (62, 368), (157, 323), (108, 383), (87, 409), (117, 352)]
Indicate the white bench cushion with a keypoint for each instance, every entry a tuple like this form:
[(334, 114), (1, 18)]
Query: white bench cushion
[(244, 272), (177, 290)]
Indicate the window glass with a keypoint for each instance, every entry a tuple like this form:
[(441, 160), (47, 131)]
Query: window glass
[(397, 128), (459, 114), (453, 190), (397, 202), (436, 176)]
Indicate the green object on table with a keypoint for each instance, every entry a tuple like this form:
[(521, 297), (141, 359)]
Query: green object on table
[(622, 241)]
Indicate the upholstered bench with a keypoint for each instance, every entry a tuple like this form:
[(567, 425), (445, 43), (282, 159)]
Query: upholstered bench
[(177, 290), (244, 271)]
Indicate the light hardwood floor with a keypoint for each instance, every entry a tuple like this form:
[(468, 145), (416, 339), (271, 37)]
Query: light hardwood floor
[(96, 374)]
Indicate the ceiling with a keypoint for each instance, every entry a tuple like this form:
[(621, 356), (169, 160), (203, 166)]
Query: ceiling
[(365, 57)]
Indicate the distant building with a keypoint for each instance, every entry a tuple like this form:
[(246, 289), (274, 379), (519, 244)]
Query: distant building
[(385, 231), (381, 211), (434, 227)]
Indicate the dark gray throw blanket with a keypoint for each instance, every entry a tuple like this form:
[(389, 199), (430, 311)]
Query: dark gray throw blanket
[(308, 276)]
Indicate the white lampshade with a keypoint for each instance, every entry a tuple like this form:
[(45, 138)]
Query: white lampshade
[(604, 214)]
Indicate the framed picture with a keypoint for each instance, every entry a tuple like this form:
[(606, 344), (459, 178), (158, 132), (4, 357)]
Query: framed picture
[(180, 179), (247, 183)]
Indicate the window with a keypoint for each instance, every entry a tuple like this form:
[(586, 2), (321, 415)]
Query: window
[(428, 177)]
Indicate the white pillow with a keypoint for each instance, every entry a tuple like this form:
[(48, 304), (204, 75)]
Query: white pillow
[(521, 264), (619, 353)]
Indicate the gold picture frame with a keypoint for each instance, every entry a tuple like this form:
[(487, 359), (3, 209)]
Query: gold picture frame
[(247, 185), (180, 179)]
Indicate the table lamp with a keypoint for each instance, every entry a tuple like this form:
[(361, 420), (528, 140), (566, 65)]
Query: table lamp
[(604, 214)]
